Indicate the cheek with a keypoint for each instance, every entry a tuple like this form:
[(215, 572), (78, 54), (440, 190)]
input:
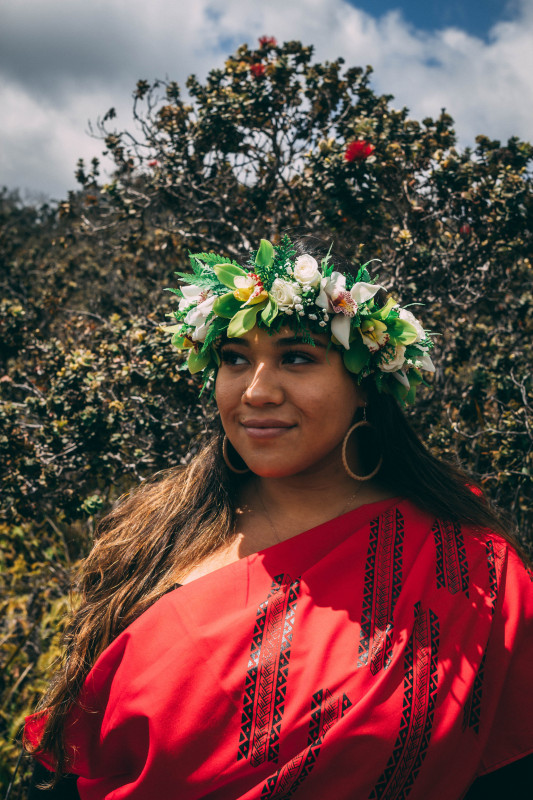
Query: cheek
[(221, 394), (332, 407), (339, 394), (227, 393)]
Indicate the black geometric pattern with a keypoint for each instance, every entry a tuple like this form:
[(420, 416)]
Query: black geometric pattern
[(420, 692), (495, 558), (266, 677), (382, 586), (472, 709), (452, 566), (326, 710)]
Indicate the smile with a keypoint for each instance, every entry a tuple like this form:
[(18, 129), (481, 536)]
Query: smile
[(266, 428)]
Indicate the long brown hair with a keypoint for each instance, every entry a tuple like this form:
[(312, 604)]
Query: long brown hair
[(178, 517)]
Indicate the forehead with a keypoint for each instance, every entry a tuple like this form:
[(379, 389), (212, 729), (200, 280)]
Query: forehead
[(285, 337)]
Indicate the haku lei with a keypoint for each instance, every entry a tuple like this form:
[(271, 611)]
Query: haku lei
[(222, 299)]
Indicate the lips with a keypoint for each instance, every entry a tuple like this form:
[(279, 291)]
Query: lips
[(266, 423), (266, 428)]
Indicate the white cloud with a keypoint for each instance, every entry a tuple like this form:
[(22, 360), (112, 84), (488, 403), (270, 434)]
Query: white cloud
[(62, 64)]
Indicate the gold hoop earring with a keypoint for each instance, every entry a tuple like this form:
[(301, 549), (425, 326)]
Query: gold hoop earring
[(225, 456), (365, 424)]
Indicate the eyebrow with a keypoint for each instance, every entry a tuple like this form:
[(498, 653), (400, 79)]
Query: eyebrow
[(286, 341)]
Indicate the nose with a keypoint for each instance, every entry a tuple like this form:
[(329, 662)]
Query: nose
[(264, 387)]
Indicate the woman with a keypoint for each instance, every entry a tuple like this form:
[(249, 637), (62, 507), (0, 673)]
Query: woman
[(315, 607)]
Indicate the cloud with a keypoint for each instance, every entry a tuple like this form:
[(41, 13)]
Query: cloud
[(64, 63)]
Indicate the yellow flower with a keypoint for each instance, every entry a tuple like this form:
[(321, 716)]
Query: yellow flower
[(249, 290), (374, 333)]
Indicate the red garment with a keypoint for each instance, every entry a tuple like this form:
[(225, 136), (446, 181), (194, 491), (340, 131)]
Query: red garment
[(380, 655)]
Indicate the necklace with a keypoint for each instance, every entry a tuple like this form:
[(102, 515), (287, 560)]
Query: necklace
[(274, 528)]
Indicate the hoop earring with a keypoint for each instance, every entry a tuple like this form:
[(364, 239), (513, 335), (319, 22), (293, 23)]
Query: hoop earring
[(225, 456), (365, 424)]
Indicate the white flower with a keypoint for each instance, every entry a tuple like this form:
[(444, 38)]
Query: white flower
[(191, 295), (402, 377), (286, 294), (392, 360), (406, 315), (334, 296), (198, 315), (306, 271), (425, 363)]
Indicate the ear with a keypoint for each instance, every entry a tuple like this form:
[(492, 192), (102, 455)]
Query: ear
[(362, 395)]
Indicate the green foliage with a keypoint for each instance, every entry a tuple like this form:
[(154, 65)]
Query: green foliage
[(92, 397)]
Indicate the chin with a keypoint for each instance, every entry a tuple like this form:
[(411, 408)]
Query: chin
[(271, 473), (273, 470)]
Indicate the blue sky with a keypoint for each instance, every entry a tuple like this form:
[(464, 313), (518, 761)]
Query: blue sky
[(63, 63), (476, 17)]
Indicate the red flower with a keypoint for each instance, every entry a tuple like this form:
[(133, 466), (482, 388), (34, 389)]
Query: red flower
[(267, 40), (153, 163), (257, 70), (465, 230), (358, 151)]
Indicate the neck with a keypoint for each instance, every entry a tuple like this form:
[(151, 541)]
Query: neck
[(295, 503)]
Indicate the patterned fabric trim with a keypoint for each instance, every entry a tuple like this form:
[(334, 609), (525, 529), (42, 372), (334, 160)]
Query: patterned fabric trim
[(472, 710), (326, 711), (383, 583), (268, 668), (420, 692), (452, 566)]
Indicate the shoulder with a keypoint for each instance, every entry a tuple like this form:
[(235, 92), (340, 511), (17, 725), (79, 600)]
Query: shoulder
[(463, 559)]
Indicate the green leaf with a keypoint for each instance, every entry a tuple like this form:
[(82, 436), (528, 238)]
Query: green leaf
[(397, 390), (213, 258), (244, 320), (402, 331), (265, 255), (205, 280), (357, 356), (384, 312), (270, 311), (227, 305), (363, 274), (178, 341), (415, 378), (198, 361), (216, 328), (226, 274)]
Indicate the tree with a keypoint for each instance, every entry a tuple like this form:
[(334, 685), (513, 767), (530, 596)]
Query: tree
[(92, 399)]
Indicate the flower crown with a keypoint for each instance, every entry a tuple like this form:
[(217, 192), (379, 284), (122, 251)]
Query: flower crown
[(220, 298)]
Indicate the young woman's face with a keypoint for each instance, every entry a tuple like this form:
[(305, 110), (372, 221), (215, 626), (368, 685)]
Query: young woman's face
[(285, 406)]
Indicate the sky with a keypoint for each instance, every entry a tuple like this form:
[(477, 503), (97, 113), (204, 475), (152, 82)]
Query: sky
[(64, 63)]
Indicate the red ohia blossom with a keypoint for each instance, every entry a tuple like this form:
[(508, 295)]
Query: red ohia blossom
[(153, 163), (267, 40), (358, 151), (257, 70), (465, 230)]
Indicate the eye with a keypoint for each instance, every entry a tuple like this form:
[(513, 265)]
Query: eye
[(232, 357), (297, 357)]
